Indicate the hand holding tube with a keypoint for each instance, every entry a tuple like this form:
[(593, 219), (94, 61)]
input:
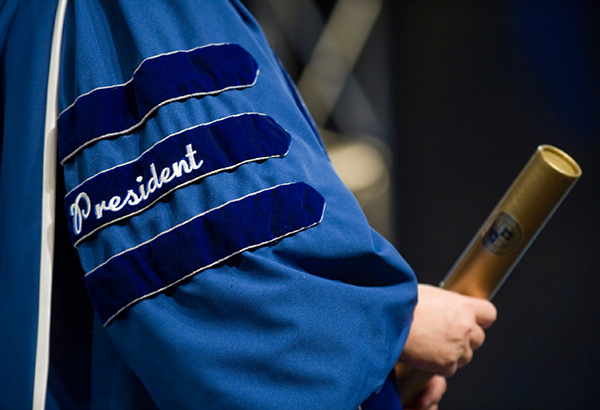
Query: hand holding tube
[(459, 323), (503, 239), (446, 330)]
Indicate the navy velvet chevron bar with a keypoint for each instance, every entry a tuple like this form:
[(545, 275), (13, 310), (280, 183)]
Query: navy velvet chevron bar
[(174, 162), (118, 110), (247, 223)]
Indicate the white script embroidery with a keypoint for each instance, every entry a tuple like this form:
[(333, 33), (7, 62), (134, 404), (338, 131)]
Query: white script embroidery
[(78, 214), (134, 197)]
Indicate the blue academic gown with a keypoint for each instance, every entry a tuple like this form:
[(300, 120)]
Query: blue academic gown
[(226, 263)]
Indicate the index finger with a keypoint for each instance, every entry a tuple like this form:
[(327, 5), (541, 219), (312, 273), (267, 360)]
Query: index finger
[(485, 312)]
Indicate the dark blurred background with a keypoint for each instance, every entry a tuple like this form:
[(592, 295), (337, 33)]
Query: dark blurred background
[(430, 109)]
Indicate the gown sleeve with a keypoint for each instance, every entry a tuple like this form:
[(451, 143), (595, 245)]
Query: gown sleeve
[(227, 263)]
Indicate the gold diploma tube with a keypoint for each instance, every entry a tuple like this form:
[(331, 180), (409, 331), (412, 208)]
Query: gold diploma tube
[(503, 238), (513, 224)]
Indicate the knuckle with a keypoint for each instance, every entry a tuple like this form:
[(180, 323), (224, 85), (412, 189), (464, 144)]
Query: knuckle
[(465, 327)]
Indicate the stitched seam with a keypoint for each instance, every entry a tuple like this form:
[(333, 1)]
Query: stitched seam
[(213, 264)]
